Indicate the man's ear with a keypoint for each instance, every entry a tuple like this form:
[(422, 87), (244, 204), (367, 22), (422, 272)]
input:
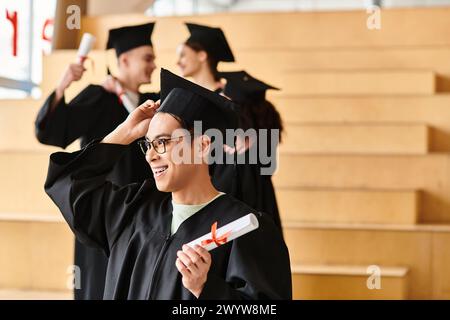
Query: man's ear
[(203, 147)]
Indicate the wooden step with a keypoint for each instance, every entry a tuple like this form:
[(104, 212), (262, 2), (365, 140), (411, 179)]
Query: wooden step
[(348, 205), (14, 294), (362, 171), (341, 282), (17, 131), (294, 29), (36, 252), (430, 110), (356, 139), (419, 227), (17, 124), (365, 109), (339, 58), (417, 248), (317, 83), (428, 173), (22, 189), (55, 64)]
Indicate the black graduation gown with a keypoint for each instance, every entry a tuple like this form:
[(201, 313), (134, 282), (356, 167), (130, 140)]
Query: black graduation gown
[(132, 225), (245, 182), (92, 114)]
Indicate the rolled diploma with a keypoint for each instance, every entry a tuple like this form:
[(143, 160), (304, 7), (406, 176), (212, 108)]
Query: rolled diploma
[(87, 41), (238, 228)]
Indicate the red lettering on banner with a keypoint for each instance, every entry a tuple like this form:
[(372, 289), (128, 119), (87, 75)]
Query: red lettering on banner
[(48, 23), (12, 17)]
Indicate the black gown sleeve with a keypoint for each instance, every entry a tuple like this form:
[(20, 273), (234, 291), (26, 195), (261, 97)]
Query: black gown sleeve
[(155, 96), (68, 121), (96, 210), (258, 268)]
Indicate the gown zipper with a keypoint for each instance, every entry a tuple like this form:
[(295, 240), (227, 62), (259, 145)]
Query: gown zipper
[(158, 262)]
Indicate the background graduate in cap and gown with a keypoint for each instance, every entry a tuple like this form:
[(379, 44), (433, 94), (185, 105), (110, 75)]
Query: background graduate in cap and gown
[(92, 114), (198, 58), (136, 225), (200, 54), (255, 112)]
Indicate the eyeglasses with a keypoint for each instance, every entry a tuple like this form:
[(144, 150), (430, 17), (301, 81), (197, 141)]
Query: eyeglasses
[(158, 144)]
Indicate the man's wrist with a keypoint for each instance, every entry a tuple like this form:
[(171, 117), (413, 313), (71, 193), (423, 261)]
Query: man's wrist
[(198, 292), (60, 89), (120, 135)]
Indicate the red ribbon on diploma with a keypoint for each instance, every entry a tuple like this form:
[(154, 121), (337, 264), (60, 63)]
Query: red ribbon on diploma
[(82, 59), (217, 240)]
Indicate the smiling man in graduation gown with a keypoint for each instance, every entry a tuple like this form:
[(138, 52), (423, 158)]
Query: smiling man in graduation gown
[(144, 231), (92, 114)]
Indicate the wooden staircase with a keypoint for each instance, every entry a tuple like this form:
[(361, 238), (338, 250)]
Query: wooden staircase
[(364, 170)]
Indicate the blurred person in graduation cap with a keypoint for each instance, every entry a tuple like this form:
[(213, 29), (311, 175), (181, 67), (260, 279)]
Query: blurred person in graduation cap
[(198, 59), (200, 54), (255, 112), (92, 114), (144, 230)]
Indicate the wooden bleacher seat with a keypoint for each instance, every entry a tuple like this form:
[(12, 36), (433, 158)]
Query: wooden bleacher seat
[(327, 205), (38, 251), (356, 139), (14, 294), (296, 29), (404, 246), (347, 282)]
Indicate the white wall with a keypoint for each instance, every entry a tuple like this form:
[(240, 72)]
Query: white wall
[(421, 3), (186, 7), (99, 7)]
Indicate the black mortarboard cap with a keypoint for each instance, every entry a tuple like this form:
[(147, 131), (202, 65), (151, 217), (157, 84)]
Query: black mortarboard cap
[(191, 102), (212, 40), (242, 87), (130, 37)]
